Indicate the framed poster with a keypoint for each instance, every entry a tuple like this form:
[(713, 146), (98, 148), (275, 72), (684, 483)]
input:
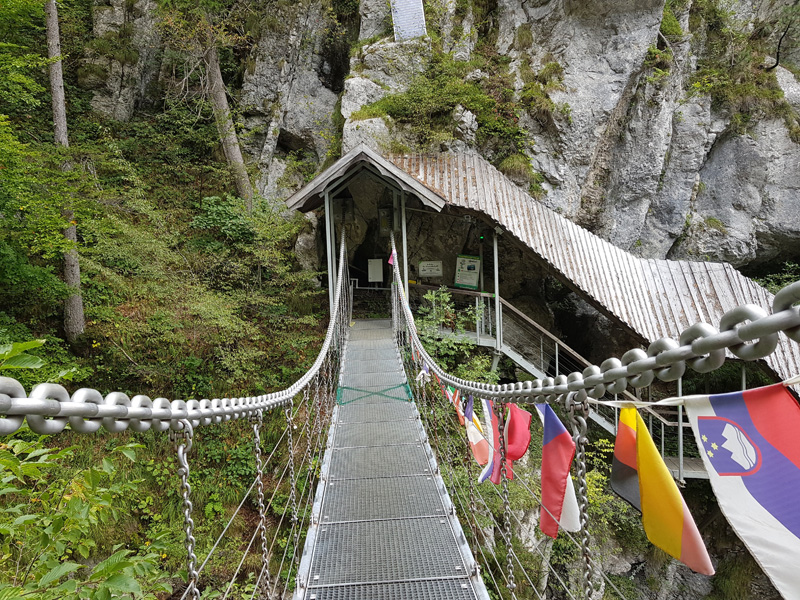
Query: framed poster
[(468, 270), (430, 268), (375, 270)]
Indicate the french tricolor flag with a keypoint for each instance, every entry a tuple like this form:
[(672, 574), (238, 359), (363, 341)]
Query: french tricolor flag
[(559, 503), (750, 444)]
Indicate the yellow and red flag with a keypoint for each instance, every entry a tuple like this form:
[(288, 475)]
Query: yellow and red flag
[(639, 476)]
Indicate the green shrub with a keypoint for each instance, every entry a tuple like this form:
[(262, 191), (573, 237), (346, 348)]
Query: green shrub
[(670, 27), (523, 39)]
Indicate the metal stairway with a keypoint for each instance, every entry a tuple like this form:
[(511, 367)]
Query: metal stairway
[(383, 525)]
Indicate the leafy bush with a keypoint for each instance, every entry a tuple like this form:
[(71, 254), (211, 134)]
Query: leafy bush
[(48, 521)]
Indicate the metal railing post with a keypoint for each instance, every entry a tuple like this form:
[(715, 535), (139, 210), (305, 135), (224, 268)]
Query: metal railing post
[(680, 432), (497, 310)]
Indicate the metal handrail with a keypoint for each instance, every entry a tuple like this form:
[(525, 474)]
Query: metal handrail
[(87, 409)]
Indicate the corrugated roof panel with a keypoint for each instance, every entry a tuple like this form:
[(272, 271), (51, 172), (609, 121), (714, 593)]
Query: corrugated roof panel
[(654, 298)]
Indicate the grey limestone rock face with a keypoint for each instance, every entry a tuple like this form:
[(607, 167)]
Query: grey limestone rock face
[(601, 47), (381, 68), (358, 92), (746, 210), (392, 65), (375, 18), (373, 133), (124, 85), (286, 102)]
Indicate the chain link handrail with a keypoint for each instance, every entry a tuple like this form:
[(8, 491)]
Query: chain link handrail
[(747, 331), (50, 407)]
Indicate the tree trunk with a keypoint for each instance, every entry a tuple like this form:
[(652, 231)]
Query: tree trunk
[(56, 74), (227, 131), (73, 305)]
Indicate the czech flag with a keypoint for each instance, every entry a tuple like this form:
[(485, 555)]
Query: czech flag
[(559, 503), (750, 443), (639, 476)]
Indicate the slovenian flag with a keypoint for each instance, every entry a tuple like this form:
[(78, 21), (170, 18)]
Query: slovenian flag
[(559, 503), (477, 443), (750, 443), (639, 476)]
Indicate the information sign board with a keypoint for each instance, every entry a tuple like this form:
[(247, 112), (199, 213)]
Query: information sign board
[(468, 270)]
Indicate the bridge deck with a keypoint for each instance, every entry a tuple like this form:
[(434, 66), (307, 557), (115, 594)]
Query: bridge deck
[(382, 525)]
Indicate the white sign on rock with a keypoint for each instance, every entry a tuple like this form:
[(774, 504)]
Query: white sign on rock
[(408, 17)]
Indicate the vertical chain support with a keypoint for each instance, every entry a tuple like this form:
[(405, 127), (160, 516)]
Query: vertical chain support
[(257, 420), (182, 438), (578, 406), (501, 425), (309, 429), (292, 475), (473, 510)]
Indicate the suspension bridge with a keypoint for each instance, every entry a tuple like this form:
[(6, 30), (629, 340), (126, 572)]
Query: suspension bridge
[(382, 494)]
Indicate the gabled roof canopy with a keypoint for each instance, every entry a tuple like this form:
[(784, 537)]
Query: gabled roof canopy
[(358, 160)]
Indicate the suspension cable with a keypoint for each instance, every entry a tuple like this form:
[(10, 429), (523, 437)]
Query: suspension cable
[(87, 409)]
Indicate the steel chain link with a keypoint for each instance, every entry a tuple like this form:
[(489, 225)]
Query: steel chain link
[(578, 407), (257, 421), (182, 439), (292, 476), (501, 419)]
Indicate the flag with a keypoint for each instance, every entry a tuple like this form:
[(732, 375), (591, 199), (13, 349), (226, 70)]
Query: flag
[(391, 258), (639, 475), (454, 396), (491, 432), (559, 503), (517, 432), (477, 443), (750, 446)]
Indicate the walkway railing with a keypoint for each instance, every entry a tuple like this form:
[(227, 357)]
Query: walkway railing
[(746, 331), (50, 408)]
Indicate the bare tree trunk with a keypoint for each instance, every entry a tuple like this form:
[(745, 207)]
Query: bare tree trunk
[(73, 305), (227, 132)]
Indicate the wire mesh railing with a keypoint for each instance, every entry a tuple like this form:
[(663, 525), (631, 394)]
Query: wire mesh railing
[(747, 331)]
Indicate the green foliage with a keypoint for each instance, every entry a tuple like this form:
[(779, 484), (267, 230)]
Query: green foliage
[(226, 219), (733, 578), (535, 95), (780, 277), (732, 70), (48, 523), (13, 356), (517, 167), (670, 27), (523, 38), (441, 327), (427, 107)]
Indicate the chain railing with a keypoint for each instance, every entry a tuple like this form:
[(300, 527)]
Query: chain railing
[(748, 332), (50, 408)]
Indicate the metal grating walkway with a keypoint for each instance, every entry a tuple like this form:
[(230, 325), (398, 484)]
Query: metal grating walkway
[(383, 527)]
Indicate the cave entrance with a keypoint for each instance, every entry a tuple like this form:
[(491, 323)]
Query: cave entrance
[(367, 197)]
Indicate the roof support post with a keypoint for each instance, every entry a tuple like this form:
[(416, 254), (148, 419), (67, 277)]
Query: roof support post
[(405, 240), (498, 332), (328, 239)]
